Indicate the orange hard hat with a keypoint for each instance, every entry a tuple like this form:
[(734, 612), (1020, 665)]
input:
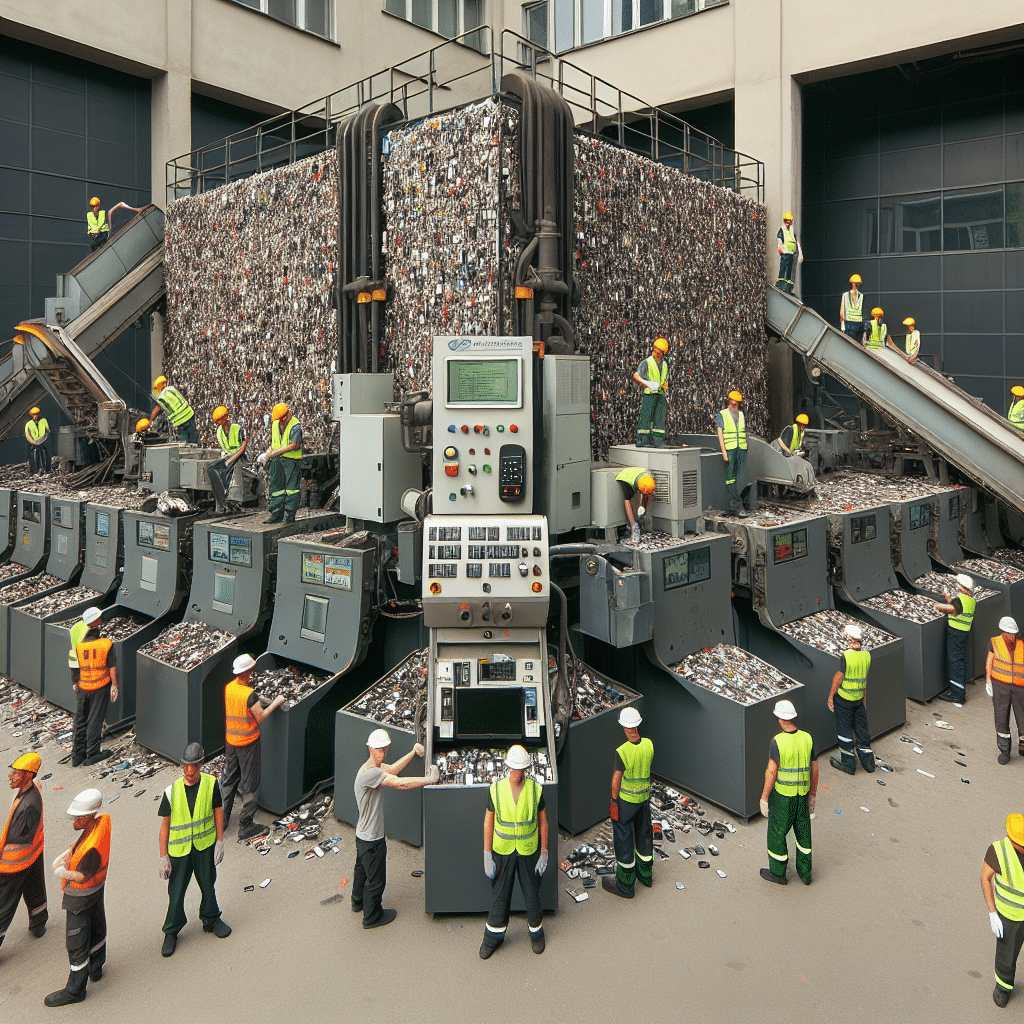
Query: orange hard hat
[(787, 216), (661, 344), (30, 762), (735, 396), (160, 383), (646, 484), (279, 412), (94, 201), (909, 322), (1017, 390), (855, 279), (878, 311), (142, 425), (34, 411), (803, 418), (220, 413)]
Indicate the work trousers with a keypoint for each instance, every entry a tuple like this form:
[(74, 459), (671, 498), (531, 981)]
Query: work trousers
[(1004, 697), (852, 721), (86, 940), (38, 457), (736, 481), (854, 329), (28, 884), (508, 867), (369, 877), (285, 477), (957, 650), (90, 710), (187, 432), (198, 863), (1007, 951), (241, 774), (785, 813), (97, 240), (633, 839), (650, 428), (787, 262)]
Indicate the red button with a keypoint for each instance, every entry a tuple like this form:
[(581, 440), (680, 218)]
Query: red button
[(513, 428), (464, 428), (451, 469)]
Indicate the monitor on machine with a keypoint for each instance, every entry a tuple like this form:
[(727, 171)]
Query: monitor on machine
[(483, 383), (489, 712), (314, 619), (102, 524)]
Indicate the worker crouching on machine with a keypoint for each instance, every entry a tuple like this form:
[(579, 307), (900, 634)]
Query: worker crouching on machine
[(638, 489), (790, 441)]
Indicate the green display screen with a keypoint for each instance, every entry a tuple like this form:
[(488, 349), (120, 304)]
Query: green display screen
[(483, 382)]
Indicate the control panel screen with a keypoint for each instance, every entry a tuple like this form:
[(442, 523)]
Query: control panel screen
[(241, 552), (314, 618), (338, 571), (62, 515), (31, 511), (102, 524), (219, 547), (148, 574), (489, 712), (483, 383), (790, 545), (312, 567), (692, 566), (920, 515), (223, 591), (954, 507), (496, 671), (862, 528)]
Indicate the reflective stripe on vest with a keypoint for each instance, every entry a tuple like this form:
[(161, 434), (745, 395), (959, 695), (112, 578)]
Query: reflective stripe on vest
[(173, 403), (630, 475), (855, 675), (98, 839), (1009, 882), (794, 778), (34, 431), (734, 431), (797, 439), (93, 672), (78, 630), (18, 856), (1016, 413), (635, 787), (515, 824), (656, 372), (277, 442), (229, 441), (877, 335), (854, 310), (97, 222), (788, 239), (1007, 667), (913, 343), (198, 829), (966, 617), (241, 728)]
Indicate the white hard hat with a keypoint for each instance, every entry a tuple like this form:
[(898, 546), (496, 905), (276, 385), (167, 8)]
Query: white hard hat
[(784, 709), (1008, 624), (91, 615), (379, 739), (965, 581), (854, 632), (242, 664), (629, 718), (517, 757), (89, 801)]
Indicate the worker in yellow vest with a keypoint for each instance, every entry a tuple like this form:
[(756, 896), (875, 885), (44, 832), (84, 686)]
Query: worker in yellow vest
[(652, 376), (848, 701), (912, 344), (97, 226), (1004, 683), (95, 683), (515, 844), (638, 487), (876, 334), (82, 869), (1015, 414), (630, 810), (790, 253), (233, 443), (37, 437), (959, 612), (285, 464), (790, 441), (851, 310), (243, 714), (180, 415), (787, 800), (1002, 882), (732, 439), (21, 849)]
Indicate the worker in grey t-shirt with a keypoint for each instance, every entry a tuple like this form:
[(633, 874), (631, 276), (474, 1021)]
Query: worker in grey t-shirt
[(370, 875)]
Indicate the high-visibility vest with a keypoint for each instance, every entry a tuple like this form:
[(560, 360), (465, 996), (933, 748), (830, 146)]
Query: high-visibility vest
[(93, 671), (913, 343), (18, 856), (966, 617), (229, 441), (34, 431), (794, 778), (855, 674), (1009, 881), (877, 335), (196, 829), (276, 438), (78, 630), (1007, 667), (173, 403), (97, 222), (1016, 413), (241, 728), (798, 436), (98, 839), (657, 373), (734, 431), (853, 309), (635, 787), (515, 824), (631, 475), (788, 239)]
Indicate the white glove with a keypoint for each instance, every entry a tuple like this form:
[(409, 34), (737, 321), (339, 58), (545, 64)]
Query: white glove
[(764, 808), (434, 775), (261, 459), (165, 867), (218, 852), (418, 750), (635, 533), (997, 924), (63, 860), (62, 872), (988, 689), (489, 869), (650, 384), (641, 512), (542, 862), (810, 802)]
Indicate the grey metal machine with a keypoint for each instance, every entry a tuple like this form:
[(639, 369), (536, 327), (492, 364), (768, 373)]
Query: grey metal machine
[(676, 507), (8, 520)]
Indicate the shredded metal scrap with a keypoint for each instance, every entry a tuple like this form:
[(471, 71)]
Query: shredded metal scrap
[(59, 601), (394, 698), (824, 630), (939, 583), (14, 592), (187, 644), (1011, 556), (469, 766), (849, 490), (118, 628), (288, 681), (903, 605), (652, 541), (989, 569), (733, 673), (11, 569), (595, 694)]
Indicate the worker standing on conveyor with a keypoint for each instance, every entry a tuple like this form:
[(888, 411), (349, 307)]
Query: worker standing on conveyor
[(912, 346), (97, 227), (1004, 683), (790, 254), (732, 439), (851, 310), (37, 436), (233, 442), (95, 683), (652, 376), (630, 810), (285, 465), (180, 414), (1002, 883), (876, 334), (959, 612), (848, 701), (792, 437), (638, 487), (1015, 414)]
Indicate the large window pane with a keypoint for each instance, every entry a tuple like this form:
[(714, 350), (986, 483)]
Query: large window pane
[(622, 16), (973, 219), (911, 223), (283, 10), (395, 7), (1015, 215), (447, 18), (565, 24), (318, 17), (651, 11), (421, 13), (593, 20), (851, 228), (537, 25), (680, 7)]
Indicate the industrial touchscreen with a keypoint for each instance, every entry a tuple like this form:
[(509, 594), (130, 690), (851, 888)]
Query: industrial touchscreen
[(489, 712), (483, 383)]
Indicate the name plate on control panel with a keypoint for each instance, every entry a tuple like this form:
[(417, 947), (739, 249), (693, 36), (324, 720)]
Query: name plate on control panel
[(484, 571)]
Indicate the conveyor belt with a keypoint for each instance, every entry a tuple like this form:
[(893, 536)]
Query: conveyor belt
[(962, 429)]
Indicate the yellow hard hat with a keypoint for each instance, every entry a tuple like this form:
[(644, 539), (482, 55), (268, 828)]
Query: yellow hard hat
[(219, 414), (787, 216), (735, 396), (142, 425), (1017, 390), (1015, 828), (855, 279), (646, 484), (878, 311), (279, 412), (160, 383), (803, 418), (34, 411), (909, 322), (30, 762), (94, 201), (661, 344)]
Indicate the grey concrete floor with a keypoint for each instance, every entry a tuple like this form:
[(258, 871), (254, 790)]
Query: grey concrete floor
[(893, 928)]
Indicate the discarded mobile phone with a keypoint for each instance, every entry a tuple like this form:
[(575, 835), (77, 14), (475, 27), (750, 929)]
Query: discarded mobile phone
[(264, 883), (249, 888)]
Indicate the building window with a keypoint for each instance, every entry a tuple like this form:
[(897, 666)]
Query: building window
[(448, 18), (314, 16)]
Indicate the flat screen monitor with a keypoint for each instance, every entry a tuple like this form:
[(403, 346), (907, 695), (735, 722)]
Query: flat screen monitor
[(223, 591), (483, 383), (489, 712), (102, 524), (314, 618), (31, 511)]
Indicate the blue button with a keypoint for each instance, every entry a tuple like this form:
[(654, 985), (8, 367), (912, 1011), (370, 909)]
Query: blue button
[(451, 428)]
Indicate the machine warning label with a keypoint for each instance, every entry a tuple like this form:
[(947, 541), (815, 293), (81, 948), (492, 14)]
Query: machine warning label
[(338, 571), (686, 567), (219, 547), (789, 546), (312, 567)]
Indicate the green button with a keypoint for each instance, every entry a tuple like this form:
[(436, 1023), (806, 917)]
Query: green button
[(451, 497), (487, 468), (500, 429)]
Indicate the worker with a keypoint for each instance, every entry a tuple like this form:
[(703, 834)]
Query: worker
[(96, 223), (789, 252), (180, 414), (791, 439), (37, 437), (21, 849), (141, 428), (732, 439), (1015, 414), (370, 875), (82, 869), (243, 714), (848, 701), (912, 344), (638, 487), (787, 800), (959, 612), (652, 376), (1004, 683), (233, 442), (1002, 883), (851, 310), (630, 810), (191, 843), (95, 684), (285, 465), (876, 333), (515, 844)]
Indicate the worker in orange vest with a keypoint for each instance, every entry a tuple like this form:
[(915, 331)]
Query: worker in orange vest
[(95, 682), (83, 872), (243, 714), (1004, 683), (21, 849)]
